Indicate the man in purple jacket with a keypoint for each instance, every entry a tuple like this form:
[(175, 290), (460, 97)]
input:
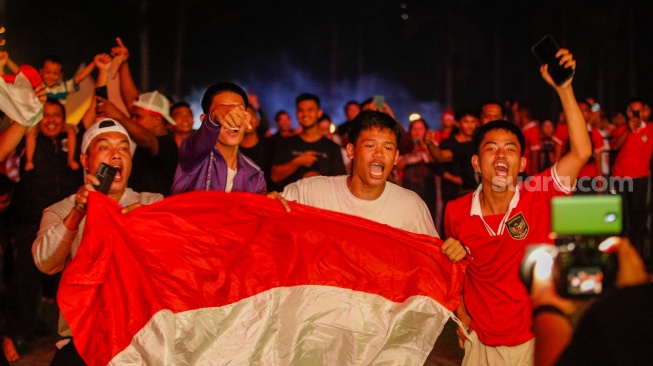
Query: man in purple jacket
[(209, 159)]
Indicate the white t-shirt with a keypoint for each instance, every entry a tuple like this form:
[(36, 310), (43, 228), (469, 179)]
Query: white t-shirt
[(397, 207), (231, 174)]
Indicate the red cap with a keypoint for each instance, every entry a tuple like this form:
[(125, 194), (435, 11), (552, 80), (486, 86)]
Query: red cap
[(449, 113)]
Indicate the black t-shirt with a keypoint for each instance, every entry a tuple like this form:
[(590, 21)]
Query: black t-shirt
[(155, 173), (616, 330), (49, 182), (261, 154), (461, 165), (329, 161)]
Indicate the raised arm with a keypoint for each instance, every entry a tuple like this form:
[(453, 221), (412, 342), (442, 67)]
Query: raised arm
[(198, 145), (580, 146), (128, 89), (138, 133), (441, 155), (5, 60), (10, 138), (103, 62), (86, 71)]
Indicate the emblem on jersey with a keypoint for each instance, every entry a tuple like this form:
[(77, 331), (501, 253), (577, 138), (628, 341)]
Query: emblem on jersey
[(644, 138), (517, 226)]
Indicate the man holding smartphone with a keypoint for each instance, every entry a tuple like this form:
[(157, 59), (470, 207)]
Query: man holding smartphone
[(498, 220), (62, 224)]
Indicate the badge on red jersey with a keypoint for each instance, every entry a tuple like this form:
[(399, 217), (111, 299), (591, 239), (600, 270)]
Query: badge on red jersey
[(517, 226)]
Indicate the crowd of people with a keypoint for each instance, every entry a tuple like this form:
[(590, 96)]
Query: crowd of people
[(467, 182)]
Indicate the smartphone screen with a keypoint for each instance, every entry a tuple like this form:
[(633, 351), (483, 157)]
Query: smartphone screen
[(584, 281), (545, 51)]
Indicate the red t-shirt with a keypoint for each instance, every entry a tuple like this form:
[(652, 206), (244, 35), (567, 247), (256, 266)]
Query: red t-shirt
[(533, 142), (634, 157), (493, 293), (561, 136)]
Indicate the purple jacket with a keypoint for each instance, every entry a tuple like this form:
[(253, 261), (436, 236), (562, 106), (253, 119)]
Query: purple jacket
[(202, 166)]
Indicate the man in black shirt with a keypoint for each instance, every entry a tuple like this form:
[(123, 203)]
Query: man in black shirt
[(308, 153), (157, 154)]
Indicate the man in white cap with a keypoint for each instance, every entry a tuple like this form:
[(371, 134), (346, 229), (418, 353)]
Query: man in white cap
[(157, 153), (62, 224)]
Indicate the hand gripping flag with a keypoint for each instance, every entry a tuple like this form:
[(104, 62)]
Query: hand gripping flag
[(232, 279)]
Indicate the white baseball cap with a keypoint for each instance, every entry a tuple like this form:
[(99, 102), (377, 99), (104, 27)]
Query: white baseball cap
[(105, 125), (155, 102)]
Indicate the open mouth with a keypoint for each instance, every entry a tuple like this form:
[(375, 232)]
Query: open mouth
[(501, 169), (118, 175), (376, 170)]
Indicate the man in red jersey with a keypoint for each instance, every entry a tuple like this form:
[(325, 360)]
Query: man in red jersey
[(631, 170), (498, 220)]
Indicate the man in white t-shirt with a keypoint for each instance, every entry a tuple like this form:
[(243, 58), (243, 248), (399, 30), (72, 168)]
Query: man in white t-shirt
[(366, 192)]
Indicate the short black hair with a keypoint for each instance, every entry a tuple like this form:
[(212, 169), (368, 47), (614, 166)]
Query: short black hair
[(426, 125), (500, 124), (465, 112), (324, 117), (635, 100), (367, 101), (278, 114), (58, 103), (367, 120), (307, 96), (178, 105), (215, 89), (351, 102), (526, 109), (53, 58), (488, 102)]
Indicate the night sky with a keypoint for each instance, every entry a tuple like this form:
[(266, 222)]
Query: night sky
[(421, 55)]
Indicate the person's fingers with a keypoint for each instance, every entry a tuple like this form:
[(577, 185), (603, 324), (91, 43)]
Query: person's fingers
[(275, 195), (92, 180), (119, 42), (247, 119), (632, 270), (230, 122), (131, 207)]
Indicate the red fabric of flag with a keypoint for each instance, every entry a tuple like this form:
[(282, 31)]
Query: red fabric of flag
[(203, 250)]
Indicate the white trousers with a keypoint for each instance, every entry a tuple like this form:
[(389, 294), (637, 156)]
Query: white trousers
[(478, 354)]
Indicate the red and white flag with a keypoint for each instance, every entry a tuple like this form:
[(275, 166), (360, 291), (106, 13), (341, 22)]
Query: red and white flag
[(232, 279)]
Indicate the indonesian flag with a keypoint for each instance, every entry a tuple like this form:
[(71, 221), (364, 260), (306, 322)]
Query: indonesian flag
[(17, 97), (232, 279)]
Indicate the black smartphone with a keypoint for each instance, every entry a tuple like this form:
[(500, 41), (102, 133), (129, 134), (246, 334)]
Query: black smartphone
[(101, 91), (105, 175), (545, 51)]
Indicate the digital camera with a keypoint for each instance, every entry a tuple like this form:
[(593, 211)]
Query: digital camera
[(584, 263)]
